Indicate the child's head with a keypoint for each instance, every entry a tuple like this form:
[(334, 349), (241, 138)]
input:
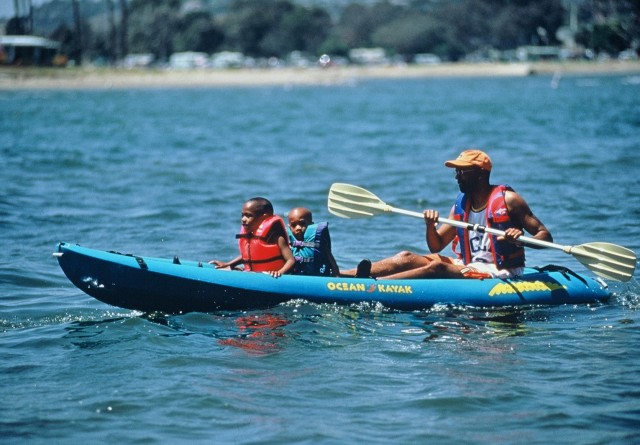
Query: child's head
[(254, 211), (299, 219)]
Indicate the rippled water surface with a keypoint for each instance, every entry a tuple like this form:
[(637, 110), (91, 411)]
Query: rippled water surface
[(164, 172)]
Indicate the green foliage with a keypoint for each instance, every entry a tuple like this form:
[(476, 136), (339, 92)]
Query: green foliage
[(152, 26), (198, 32), (266, 28), (525, 23), (274, 28), (358, 22), (606, 37)]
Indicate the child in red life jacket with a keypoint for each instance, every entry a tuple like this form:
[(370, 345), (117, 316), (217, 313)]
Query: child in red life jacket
[(263, 241), (311, 245)]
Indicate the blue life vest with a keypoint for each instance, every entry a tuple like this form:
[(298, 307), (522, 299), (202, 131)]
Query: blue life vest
[(310, 258), (505, 255)]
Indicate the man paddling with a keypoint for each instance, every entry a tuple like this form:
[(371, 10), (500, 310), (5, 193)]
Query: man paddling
[(479, 254)]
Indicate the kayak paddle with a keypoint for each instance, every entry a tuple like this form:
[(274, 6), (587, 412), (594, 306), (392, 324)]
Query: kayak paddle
[(604, 259)]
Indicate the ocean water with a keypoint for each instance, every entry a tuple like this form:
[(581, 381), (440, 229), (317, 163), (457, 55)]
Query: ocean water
[(164, 172)]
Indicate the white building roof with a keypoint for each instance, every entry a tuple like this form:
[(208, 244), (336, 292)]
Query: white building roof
[(28, 41)]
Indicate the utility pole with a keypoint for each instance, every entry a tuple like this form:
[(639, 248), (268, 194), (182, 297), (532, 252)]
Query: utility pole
[(18, 17), (30, 20), (124, 28), (573, 18), (78, 31), (22, 20), (113, 41)]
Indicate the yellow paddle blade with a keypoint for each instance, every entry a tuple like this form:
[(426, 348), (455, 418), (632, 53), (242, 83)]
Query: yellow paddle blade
[(606, 260), (350, 201)]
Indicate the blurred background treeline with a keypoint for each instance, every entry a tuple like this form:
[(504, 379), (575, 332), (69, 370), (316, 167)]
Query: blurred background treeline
[(251, 32)]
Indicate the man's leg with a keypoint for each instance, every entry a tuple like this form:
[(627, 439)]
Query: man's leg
[(400, 262), (436, 266), (411, 265)]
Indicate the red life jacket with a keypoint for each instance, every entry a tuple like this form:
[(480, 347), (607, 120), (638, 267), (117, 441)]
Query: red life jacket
[(505, 255), (257, 255)]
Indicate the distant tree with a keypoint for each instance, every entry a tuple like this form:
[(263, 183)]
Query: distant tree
[(124, 28), (15, 26), (610, 27), (249, 21), (151, 26), (78, 52), (353, 27), (64, 35), (603, 38), (469, 25), (265, 28), (112, 47), (300, 29), (99, 49), (334, 45), (412, 35), (518, 23), (358, 22), (198, 32), (465, 27)]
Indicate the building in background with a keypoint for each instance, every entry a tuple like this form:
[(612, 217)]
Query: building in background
[(28, 51)]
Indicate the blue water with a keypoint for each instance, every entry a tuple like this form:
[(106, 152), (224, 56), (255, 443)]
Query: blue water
[(164, 172)]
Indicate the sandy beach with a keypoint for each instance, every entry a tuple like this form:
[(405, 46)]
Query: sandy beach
[(17, 78)]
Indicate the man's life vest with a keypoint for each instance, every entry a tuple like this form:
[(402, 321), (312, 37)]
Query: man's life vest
[(311, 259), (505, 255), (257, 255)]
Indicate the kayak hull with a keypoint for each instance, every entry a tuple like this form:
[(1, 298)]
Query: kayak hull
[(175, 286)]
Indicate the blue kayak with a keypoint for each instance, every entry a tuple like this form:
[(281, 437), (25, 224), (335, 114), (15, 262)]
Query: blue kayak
[(177, 286)]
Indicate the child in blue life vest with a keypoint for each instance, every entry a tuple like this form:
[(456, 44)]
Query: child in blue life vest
[(311, 245), (263, 242)]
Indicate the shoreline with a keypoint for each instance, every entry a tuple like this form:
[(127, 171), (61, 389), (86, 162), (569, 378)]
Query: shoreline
[(18, 78)]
